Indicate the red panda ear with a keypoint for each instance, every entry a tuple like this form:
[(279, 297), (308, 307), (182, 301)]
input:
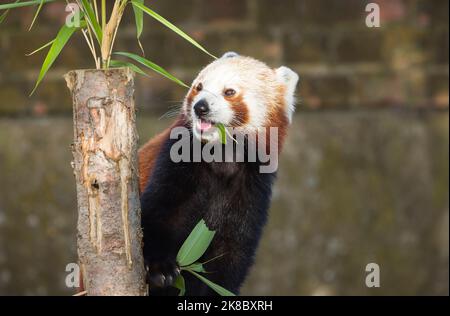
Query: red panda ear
[(230, 55), (289, 79)]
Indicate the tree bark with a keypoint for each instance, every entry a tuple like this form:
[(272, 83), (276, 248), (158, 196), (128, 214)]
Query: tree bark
[(105, 166)]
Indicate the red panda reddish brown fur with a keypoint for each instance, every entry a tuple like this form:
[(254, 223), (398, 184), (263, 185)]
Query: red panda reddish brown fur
[(149, 152), (240, 109), (277, 118), (147, 157)]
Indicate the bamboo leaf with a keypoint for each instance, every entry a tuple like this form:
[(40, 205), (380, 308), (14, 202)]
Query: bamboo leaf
[(223, 133), (197, 267), (58, 44), (195, 245), (22, 4), (36, 14), (217, 288), (119, 63), (180, 284), (92, 20), (147, 63), (4, 14), (166, 23), (139, 18), (40, 48)]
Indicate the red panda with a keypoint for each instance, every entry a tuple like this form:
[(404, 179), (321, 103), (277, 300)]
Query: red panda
[(233, 197)]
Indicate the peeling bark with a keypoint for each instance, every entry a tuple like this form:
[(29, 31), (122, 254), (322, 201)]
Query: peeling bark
[(105, 166)]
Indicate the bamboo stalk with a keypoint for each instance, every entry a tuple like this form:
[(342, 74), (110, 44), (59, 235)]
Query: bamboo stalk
[(109, 32)]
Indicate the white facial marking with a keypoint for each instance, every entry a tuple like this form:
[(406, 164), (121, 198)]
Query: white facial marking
[(255, 84), (214, 83)]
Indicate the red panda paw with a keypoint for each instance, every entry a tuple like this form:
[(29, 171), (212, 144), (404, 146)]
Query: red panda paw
[(162, 274)]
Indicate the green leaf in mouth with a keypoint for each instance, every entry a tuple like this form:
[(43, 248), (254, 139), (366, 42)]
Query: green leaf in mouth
[(222, 132)]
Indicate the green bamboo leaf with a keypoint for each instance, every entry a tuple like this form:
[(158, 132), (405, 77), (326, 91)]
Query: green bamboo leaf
[(36, 14), (197, 267), (180, 284), (4, 14), (119, 63), (58, 44), (217, 288), (223, 133), (40, 48), (22, 4), (153, 66), (195, 245), (139, 18), (92, 20), (166, 23)]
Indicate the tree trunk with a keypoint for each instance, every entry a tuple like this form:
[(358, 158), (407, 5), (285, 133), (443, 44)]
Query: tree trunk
[(105, 166)]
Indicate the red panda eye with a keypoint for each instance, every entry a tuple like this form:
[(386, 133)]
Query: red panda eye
[(199, 87), (230, 92)]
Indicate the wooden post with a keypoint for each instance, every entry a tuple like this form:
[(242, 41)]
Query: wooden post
[(105, 166)]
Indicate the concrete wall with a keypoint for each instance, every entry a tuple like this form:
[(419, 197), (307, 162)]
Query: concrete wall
[(353, 188)]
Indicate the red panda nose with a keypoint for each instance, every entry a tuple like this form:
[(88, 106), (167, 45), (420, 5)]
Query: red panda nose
[(201, 108)]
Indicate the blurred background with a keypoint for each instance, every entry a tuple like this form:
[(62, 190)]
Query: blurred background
[(363, 178)]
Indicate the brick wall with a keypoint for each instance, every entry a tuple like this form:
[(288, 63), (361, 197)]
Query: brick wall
[(342, 63), (353, 185)]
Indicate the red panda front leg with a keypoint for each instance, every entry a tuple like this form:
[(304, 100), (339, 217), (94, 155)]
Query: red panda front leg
[(165, 222)]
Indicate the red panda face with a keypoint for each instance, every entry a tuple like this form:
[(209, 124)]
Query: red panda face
[(242, 93)]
